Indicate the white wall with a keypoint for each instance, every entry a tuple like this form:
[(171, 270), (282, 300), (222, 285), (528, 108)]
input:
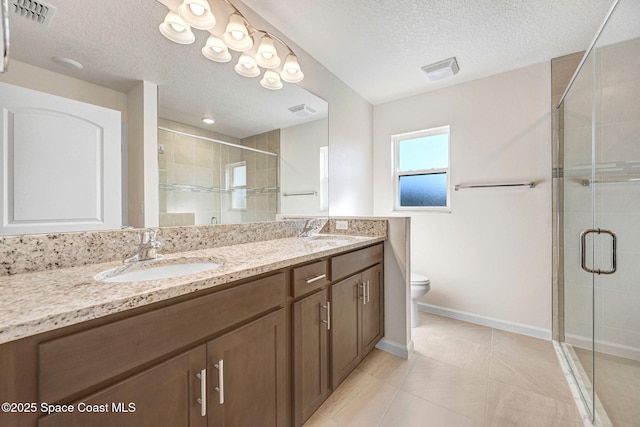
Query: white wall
[(350, 132), (300, 166), (491, 256)]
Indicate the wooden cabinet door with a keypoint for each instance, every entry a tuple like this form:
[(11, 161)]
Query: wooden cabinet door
[(310, 355), (164, 395), (372, 325), (247, 376), (345, 337)]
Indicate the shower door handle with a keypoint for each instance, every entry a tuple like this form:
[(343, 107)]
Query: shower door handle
[(583, 251)]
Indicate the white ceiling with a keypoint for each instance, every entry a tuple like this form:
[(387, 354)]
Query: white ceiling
[(376, 47)]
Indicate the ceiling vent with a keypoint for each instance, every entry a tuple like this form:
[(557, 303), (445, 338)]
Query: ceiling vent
[(302, 110), (442, 70), (33, 10)]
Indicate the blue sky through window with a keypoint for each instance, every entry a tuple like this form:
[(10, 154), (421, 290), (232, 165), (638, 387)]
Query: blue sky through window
[(429, 152)]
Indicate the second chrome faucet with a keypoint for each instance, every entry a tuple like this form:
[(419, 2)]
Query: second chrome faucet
[(147, 246)]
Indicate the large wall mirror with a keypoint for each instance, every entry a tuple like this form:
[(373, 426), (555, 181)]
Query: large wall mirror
[(265, 154)]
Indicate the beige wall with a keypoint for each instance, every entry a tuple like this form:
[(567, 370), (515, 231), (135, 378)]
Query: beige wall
[(28, 76), (489, 260)]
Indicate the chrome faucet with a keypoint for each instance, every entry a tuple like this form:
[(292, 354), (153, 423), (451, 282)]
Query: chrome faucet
[(306, 229), (147, 246)]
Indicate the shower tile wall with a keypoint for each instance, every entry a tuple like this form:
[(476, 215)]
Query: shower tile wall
[(191, 164), (193, 175), (617, 112), (262, 177), (562, 69)]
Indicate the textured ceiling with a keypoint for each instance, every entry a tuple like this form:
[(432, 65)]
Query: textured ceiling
[(376, 47), (119, 44), (379, 46)]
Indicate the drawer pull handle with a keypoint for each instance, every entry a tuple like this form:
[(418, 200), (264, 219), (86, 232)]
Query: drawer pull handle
[(202, 400), (363, 296), (328, 321), (315, 279), (220, 389)]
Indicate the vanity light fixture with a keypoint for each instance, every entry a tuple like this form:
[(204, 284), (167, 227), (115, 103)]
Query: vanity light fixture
[(208, 120), (238, 35)]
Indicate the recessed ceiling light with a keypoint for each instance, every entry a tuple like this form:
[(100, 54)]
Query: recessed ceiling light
[(208, 120), (67, 62)]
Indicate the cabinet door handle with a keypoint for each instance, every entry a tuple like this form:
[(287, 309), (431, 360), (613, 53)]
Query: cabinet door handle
[(328, 321), (363, 286), (220, 389), (315, 279), (368, 288), (202, 400)]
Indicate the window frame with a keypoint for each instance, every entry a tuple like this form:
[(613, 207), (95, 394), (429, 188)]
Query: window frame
[(396, 140), (234, 189)]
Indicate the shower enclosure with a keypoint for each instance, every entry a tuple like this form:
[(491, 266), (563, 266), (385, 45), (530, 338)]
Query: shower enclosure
[(598, 176), (204, 180)]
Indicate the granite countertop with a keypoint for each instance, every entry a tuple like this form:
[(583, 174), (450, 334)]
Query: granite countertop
[(38, 302)]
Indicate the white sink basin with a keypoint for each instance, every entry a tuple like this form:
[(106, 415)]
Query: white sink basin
[(133, 274), (329, 238)]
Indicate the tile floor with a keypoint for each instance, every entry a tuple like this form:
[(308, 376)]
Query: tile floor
[(461, 374), (617, 383)]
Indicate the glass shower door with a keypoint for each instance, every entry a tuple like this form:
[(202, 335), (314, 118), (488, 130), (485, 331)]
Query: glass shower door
[(616, 189), (577, 215), (600, 221)]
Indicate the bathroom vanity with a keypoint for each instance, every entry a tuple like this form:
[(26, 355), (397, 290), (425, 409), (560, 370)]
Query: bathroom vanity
[(261, 340)]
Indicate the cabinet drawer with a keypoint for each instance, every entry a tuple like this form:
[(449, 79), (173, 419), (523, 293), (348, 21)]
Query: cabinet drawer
[(309, 278), (76, 362), (352, 262)]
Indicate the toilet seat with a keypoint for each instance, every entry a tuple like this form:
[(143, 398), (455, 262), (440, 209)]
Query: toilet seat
[(419, 280)]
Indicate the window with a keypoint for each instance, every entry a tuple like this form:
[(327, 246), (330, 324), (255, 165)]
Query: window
[(237, 183), (421, 170)]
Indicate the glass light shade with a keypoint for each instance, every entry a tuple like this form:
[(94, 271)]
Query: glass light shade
[(197, 13), (271, 80), (236, 36), (247, 66), (175, 29), (267, 56), (291, 72), (216, 50)]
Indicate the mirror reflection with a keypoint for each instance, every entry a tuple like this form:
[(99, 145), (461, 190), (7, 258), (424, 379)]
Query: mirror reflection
[(265, 154)]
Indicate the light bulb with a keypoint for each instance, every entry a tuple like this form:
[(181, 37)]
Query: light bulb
[(216, 50), (197, 9), (177, 27), (292, 72), (271, 80), (246, 66), (236, 35), (267, 56), (197, 13)]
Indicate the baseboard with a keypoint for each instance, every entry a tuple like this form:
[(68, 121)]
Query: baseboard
[(395, 348), (518, 328), (606, 347)]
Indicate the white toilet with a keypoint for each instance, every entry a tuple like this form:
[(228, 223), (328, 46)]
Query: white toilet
[(420, 285)]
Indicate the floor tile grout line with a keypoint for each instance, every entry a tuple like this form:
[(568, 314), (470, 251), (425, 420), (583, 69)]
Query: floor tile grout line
[(386, 411)]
